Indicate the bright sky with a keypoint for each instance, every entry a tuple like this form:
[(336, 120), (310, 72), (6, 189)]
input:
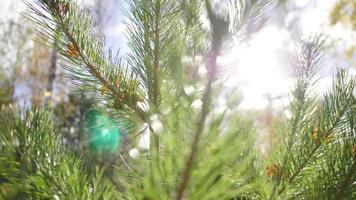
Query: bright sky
[(262, 66), (258, 68)]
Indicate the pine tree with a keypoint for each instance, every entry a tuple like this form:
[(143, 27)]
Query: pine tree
[(195, 151)]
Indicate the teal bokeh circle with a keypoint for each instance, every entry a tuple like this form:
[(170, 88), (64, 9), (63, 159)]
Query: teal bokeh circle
[(104, 133)]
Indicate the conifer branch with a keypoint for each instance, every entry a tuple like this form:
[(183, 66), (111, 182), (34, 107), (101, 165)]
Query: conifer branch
[(307, 159), (347, 180), (84, 51), (157, 41), (153, 28), (200, 127), (212, 70), (335, 106), (41, 163), (307, 63), (96, 73)]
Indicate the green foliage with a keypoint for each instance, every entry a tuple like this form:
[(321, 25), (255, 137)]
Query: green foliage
[(195, 151), (60, 21), (226, 165), (153, 29), (314, 135), (35, 165)]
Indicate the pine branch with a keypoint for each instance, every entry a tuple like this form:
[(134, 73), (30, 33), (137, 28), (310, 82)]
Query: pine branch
[(333, 168), (246, 17), (153, 29), (99, 75), (212, 70), (307, 63), (42, 165), (336, 104), (156, 49), (194, 148), (84, 53), (307, 159), (219, 31), (347, 181)]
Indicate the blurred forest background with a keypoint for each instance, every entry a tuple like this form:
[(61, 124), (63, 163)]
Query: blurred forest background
[(30, 74)]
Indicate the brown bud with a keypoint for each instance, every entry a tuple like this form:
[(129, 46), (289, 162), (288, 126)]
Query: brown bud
[(353, 150), (272, 170), (72, 50), (314, 134)]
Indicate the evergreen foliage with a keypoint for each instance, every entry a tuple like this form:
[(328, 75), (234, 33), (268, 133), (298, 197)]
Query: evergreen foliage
[(195, 152), (35, 165)]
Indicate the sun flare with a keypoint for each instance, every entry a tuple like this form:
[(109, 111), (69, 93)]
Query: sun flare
[(258, 67)]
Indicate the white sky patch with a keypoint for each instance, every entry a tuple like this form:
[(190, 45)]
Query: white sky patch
[(257, 67), (88, 3), (119, 29), (316, 15), (11, 9), (144, 138), (301, 3), (260, 67)]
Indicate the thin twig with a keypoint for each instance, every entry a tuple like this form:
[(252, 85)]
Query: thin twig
[(96, 73), (156, 53), (212, 70), (311, 154)]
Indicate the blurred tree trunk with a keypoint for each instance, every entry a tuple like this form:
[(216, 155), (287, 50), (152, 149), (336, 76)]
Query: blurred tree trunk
[(51, 77)]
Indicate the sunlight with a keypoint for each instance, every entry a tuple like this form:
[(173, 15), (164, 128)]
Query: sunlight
[(263, 65), (259, 67)]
